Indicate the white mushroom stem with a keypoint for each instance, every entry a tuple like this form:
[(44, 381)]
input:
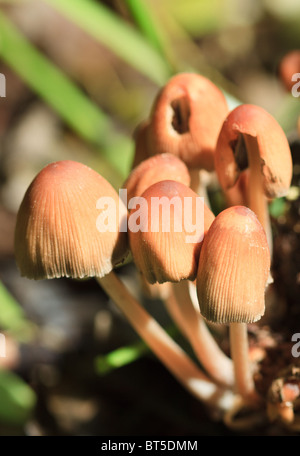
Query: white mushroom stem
[(199, 185), (240, 354), (164, 347), (257, 200), (193, 326)]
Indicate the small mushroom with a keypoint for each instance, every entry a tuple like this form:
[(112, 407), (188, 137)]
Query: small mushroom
[(160, 246), (164, 255), (289, 69), (148, 172), (57, 235), (155, 169), (231, 280), (251, 138), (289, 74), (186, 119), (283, 397)]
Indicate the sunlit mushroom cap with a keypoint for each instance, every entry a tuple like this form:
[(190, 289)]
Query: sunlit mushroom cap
[(233, 268), (155, 169), (186, 118), (162, 248), (275, 155), (57, 232)]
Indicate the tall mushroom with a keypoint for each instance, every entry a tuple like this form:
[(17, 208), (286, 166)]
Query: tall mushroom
[(166, 248), (251, 138), (147, 172), (57, 234), (231, 280)]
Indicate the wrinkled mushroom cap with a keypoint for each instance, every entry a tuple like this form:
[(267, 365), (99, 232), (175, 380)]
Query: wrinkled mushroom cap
[(233, 268), (155, 169), (56, 230), (275, 155), (162, 254), (186, 118)]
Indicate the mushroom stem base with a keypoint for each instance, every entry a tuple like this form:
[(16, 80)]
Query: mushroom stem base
[(240, 354), (192, 325), (164, 347)]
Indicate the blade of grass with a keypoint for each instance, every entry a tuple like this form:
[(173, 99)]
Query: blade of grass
[(125, 355), (120, 357), (199, 17), (113, 32), (59, 92), (17, 399), (50, 83), (12, 316), (147, 21), (162, 30)]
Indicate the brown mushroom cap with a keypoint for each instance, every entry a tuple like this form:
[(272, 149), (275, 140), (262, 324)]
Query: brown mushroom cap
[(56, 233), (233, 268), (186, 119), (155, 169), (167, 256), (275, 155), (289, 65)]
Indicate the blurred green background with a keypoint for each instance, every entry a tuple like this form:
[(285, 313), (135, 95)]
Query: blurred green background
[(80, 76)]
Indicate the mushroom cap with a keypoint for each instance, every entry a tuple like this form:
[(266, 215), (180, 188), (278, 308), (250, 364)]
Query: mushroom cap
[(155, 169), (164, 254), (233, 268), (289, 65), (273, 147), (186, 118), (56, 231)]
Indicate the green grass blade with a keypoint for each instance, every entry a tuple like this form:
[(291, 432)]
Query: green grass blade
[(125, 355), (12, 316), (200, 17), (150, 24), (17, 399), (50, 83), (59, 92), (113, 32), (142, 14), (120, 357)]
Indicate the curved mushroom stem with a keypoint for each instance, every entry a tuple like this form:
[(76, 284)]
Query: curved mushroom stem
[(199, 186), (193, 326), (244, 416), (164, 347), (257, 200), (240, 354), (155, 290)]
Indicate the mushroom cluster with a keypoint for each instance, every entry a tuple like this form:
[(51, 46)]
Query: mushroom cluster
[(216, 267)]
